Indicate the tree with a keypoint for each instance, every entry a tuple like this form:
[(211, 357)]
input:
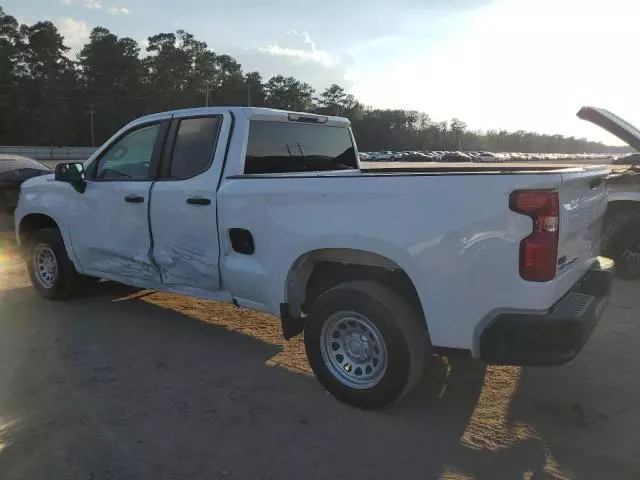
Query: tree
[(110, 64), (187, 73), (9, 48), (289, 94), (229, 82), (256, 95), (332, 100), (9, 73), (458, 128), (42, 105), (201, 70), (46, 98), (45, 52), (336, 101), (111, 75), (167, 69)]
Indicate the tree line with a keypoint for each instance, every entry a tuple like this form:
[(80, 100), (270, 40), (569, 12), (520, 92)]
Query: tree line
[(48, 98)]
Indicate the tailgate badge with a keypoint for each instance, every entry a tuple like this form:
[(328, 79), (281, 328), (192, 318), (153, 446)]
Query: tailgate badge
[(563, 263)]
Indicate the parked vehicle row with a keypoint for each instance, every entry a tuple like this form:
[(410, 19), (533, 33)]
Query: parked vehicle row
[(272, 211)]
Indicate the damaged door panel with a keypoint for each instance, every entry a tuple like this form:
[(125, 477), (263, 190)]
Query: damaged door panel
[(111, 237), (183, 204)]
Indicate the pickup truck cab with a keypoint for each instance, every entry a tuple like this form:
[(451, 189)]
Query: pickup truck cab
[(379, 267)]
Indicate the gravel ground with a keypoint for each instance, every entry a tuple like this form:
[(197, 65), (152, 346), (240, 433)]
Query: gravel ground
[(127, 384)]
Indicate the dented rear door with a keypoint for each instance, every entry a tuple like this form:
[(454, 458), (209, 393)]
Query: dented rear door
[(184, 230)]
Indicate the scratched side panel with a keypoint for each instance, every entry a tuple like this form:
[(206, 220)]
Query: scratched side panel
[(184, 258), (185, 235), (111, 236)]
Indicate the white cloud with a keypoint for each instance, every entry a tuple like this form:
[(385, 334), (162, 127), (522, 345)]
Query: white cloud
[(296, 54), (518, 66), (528, 65), (299, 47), (75, 32), (90, 4), (117, 10), (97, 5)]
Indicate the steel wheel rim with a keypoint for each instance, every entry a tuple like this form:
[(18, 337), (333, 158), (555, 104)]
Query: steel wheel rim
[(45, 265), (353, 350)]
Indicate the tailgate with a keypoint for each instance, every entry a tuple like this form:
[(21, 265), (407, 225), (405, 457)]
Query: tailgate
[(583, 202)]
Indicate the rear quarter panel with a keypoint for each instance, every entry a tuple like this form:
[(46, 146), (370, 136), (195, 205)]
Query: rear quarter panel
[(583, 202), (454, 235)]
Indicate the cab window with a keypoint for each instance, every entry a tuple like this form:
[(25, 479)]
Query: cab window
[(129, 158)]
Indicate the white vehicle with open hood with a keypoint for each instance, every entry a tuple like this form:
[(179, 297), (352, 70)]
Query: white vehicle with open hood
[(621, 232), (379, 267)]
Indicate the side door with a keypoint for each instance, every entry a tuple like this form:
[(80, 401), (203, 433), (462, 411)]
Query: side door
[(183, 210), (110, 235)]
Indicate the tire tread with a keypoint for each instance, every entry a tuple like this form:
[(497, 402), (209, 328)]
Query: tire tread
[(411, 325), (67, 275)]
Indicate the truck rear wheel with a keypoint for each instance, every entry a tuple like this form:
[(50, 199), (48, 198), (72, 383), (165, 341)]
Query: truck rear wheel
[(365, 344), (621, 242), (51, 271)]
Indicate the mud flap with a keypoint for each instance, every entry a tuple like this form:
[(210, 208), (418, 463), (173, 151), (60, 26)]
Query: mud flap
[(291, 326)]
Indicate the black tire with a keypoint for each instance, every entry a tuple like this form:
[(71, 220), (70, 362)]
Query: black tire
[(66, 278), (621, 242), (402, 329)]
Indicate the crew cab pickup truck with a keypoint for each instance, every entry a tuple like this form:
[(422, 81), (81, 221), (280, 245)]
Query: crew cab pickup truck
[(379, 267)]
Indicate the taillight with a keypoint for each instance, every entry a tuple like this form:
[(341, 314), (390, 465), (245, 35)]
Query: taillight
[(539, 251)]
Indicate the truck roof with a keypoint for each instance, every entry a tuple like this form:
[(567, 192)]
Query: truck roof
[(250, 113)]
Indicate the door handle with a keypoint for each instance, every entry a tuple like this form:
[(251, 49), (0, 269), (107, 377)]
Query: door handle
[(198, 201), (133, 198)]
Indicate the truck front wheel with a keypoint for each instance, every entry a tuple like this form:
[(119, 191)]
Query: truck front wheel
[(366, 344), (51, 271)]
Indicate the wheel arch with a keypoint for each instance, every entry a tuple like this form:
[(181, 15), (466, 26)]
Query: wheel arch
[(618, 204), (317, 270), (32, 221)]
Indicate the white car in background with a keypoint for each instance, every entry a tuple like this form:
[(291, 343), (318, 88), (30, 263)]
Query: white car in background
[(486, 157), (385, 155)]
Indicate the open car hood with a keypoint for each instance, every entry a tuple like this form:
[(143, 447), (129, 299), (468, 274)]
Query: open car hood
[(612, 124)]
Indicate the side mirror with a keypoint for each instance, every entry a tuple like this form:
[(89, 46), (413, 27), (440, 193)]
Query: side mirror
[(72, 173)]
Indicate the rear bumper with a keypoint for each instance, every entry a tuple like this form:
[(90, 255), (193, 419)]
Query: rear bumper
[(555, 337)]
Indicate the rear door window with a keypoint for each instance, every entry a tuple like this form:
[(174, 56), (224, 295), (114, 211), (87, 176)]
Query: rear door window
[(193, 147), (287, 147)]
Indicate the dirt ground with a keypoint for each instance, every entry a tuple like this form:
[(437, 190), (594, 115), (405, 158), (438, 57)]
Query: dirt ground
[(128, 384)]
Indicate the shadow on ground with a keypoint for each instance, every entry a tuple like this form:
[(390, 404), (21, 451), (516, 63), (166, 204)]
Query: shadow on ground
[(121, 384)]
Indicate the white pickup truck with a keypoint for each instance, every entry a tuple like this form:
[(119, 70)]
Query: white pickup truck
[(380, 267)]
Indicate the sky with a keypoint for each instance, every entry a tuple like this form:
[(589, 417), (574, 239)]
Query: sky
[(512, 64)]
